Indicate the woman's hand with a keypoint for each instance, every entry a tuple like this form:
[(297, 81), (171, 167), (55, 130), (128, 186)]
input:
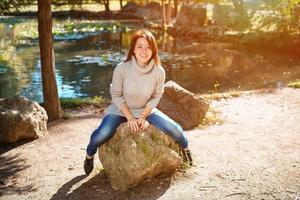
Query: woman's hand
[(143, 123), (133, 124)]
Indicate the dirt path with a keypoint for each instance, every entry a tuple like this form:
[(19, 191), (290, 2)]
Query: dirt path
[(254, 154)]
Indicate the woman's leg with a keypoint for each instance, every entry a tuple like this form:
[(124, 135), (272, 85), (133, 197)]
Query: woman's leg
[(169, 126), (174, 130), (104, 132)]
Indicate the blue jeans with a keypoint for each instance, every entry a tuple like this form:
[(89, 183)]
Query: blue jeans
[(111, 122)]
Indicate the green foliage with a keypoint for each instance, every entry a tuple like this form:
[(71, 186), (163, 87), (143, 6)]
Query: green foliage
[(63, 31), (85, 27), (221, 14), (14, 5), (185, 166), (69, 2), (278, 15), (226, 16), (294, 84), (73, 103)]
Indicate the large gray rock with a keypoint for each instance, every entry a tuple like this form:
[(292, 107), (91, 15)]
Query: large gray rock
[(184, 107), (21, 118), (128, 158)]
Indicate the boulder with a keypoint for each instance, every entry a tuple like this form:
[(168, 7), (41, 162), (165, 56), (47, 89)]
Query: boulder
[(128, 158), (153, 6), (21, 118), (148, 13), (130, 7), (191, 15), (192, 22), (184, 107)]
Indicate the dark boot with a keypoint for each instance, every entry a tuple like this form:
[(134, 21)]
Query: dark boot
[(187, 156), (88, 165)]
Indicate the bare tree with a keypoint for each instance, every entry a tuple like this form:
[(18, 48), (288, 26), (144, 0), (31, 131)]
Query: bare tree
[(121, 4), (163, 17), (50, 93), (168, 12), (175, 8), (105, 3)]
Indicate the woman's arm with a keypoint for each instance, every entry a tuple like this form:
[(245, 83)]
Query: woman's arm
[(116, 87), (125, 110), (146, 112), (142, 122), (159, 89), (132, 123)]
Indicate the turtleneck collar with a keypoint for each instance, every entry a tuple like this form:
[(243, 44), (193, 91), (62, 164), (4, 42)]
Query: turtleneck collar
[(145, 69)]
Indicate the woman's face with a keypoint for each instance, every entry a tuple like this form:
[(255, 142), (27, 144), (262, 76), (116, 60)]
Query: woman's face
[(142, 51)]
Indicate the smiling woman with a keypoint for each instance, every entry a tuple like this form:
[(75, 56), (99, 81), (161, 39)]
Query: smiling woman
[(137, 86), (143, 47), (142, 52)]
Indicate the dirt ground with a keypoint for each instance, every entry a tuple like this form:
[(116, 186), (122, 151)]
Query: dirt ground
[(253, 154)]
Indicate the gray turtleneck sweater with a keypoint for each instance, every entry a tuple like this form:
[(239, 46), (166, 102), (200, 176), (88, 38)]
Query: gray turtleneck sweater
[(136, 86)]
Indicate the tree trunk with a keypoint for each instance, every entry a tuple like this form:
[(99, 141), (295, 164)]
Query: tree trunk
[(169, 12), (50, 93), (121, 4), (163, 20), (106, 5), (175, 8)]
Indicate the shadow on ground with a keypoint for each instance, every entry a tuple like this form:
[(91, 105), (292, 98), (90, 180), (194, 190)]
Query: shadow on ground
[(73, 119), (5, 147), (98, 187), (10, 168)]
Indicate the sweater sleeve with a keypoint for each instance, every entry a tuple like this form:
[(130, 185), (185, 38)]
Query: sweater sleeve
[(116, 87), (159, 89)]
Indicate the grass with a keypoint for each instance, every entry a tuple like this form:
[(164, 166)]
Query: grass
[(211, 118), (114, 6), (219, 96), (231, 94), (99, 169), (69, 30), (294, 84), (74, 103), (184, 167)]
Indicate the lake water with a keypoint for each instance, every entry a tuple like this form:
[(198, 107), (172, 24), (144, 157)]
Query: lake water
[(86, 53)]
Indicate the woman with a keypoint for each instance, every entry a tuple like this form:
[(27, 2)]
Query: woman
[(137, 86)]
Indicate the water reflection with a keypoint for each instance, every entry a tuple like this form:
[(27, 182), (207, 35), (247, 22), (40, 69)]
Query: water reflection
[(85, 61)]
